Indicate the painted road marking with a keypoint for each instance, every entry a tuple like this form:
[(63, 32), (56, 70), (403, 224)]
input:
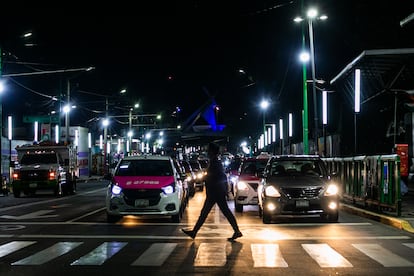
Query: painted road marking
[(100, 254), (267, 255), (11, 247), (48, 254), (155, 255), (211, 254), (382, 255), (325, 255)]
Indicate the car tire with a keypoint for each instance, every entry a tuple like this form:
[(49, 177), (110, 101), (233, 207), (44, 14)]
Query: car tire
[(16, 193), (112, 218), (238, 207), (332, 217), (267, 218), (176, 218)]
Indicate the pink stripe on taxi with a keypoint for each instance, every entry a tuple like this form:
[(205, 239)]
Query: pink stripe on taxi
[(143, 182)]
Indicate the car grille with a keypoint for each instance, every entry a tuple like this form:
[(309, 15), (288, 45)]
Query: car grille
[(34, 175), (301, 192), (253, 185), (153, 195)]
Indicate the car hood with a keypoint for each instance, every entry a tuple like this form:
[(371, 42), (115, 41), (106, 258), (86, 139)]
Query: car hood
[(247, 177), (297, 181), (143, 182)]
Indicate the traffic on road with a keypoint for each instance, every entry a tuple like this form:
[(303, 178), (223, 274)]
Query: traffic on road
[(71, 235)]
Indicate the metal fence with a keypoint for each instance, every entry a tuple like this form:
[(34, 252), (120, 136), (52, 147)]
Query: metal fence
[(372, 182)]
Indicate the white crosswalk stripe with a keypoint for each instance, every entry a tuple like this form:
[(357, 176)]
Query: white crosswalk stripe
[(325, 256), (100, 254), (267, 255), (48, 254), (155, 255), (382, 255), (208, 254)]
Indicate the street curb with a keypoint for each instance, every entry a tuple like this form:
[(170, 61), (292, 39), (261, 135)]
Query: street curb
[(392, 221)]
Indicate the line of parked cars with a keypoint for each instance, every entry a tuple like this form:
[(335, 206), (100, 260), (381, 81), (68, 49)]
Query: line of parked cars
[(281, 186)]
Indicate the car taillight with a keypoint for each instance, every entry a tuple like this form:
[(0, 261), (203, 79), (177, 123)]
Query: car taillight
[(52, 175), (16, 176)]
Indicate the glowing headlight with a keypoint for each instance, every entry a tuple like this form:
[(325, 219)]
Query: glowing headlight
[(168, 189), (331, 190), (200, 175), (242, 186), (272, 192), (189, 178), (116, 190)]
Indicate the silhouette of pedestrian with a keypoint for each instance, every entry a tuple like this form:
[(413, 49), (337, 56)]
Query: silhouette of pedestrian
[(216, 191)]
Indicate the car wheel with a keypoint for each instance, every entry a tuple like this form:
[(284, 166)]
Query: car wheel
[(332, 217), (266, 217), (16, 193), (238, 207), (176, 218), (112, 218)]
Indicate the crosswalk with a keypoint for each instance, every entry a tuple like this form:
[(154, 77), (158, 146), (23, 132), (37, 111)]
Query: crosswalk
[(206, 254)]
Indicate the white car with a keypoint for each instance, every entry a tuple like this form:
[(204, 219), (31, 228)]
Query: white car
[(247, 181), (145, 185)]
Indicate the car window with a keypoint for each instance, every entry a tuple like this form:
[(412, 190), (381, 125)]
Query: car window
[(144, 168), (296, 168)]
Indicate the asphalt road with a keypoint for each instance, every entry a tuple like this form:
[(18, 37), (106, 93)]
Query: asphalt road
[(45, 235)]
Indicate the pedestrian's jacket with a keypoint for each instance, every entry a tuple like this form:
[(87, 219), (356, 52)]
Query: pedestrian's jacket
[(216, 179)]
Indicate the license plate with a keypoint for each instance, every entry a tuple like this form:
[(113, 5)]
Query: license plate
[(32, 185), (141, 202), (302, 203)]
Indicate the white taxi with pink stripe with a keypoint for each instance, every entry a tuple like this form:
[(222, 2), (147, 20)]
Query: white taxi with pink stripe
[(145, 185)]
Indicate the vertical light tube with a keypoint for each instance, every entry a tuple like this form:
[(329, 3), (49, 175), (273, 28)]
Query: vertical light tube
[(76, 137), (36, 127), (57, 134), (281, 128), (269, 135), (324, 107), (100, 142), (89, 140), (10, 127), (265, 137), (357, 90), (290, 125), (273, 133)]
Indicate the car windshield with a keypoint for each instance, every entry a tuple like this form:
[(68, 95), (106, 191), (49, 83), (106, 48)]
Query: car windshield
[(282, 168), (253, 167), (144, 168), (44, 158)]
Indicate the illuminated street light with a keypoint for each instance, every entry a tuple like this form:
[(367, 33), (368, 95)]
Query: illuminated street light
[(264, 104), (312, 14)]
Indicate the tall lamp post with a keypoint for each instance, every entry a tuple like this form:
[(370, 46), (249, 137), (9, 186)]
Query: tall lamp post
[(264, 104), (312, 14)]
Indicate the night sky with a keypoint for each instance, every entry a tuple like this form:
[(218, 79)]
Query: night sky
[(177, 54)]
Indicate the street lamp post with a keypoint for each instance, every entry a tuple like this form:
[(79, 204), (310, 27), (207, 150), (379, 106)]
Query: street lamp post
[(264, 104), (312, 14)]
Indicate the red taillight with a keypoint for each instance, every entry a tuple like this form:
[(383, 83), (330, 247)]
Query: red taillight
[(16, 176), (52, 175)]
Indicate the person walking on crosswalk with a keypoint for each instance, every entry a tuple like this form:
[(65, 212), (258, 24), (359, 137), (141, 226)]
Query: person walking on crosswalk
[(216, 192)]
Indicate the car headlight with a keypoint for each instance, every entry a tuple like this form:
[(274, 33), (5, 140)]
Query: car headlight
[(200, 175), (189, 178), (331, 190), (116, 190), (168, 189), (242, 185), (272, 192)]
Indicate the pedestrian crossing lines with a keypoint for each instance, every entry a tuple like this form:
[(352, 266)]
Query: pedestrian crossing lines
[(207, 254)]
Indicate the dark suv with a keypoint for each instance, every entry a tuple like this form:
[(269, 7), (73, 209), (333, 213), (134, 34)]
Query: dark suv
[(297, 186)]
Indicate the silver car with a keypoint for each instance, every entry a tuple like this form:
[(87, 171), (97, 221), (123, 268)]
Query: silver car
[(297, 186)]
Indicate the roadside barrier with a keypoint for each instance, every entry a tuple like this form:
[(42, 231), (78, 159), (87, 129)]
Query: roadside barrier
[(369, 181)]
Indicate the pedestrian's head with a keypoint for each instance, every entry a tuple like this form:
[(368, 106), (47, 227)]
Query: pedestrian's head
[(213, 149)]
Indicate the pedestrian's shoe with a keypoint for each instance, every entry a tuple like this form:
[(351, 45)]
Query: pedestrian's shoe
[(235, 236), (189, 233)]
